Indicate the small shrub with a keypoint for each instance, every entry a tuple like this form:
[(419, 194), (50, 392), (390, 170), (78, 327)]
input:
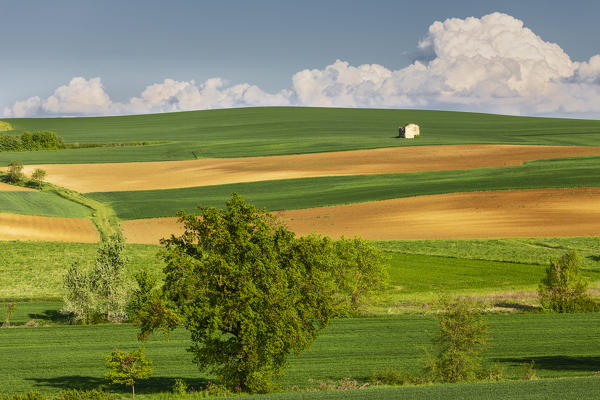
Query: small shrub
[(75, 394), (214, 390), (15, 171), (9, 309), (563, 289), (342, 384), (529, 371), (179, 387), (33, 395), (390, 377), (496, 373)]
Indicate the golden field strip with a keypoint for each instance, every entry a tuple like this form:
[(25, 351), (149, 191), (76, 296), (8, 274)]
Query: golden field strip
[(111, 177), (494, 214), (5, 187), (27, 227)]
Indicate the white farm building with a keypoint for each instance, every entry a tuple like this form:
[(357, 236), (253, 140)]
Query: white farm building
[(409, 131)]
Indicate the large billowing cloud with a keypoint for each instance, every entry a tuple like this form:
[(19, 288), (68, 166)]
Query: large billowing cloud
[(491, 64)]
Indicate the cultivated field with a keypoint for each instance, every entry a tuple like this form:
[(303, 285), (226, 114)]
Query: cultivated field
[(27, 227), (493, 214), (206, 172)]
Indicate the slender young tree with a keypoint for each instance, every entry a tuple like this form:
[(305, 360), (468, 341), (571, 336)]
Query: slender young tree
[(127, 368)]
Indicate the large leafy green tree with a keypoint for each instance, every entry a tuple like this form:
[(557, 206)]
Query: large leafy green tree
[(247, 289)]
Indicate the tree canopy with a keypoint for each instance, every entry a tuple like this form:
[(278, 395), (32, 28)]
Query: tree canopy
[(249, 291)]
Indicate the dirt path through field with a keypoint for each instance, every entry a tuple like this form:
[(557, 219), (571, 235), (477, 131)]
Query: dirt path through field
[(27, 227), (514, 213), (87, 178)]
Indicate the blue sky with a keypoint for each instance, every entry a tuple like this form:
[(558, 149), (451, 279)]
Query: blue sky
[(131, 45)]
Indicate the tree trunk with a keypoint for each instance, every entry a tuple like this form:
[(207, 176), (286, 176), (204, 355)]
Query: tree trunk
[(133, 390)]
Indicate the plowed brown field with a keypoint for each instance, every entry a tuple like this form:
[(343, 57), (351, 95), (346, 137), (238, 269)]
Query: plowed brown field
[(514, 213), (5, 187), (27, 227), (178, 174)]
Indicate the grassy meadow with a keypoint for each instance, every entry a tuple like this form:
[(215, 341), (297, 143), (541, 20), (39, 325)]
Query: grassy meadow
[(262, 131), (560, 346)]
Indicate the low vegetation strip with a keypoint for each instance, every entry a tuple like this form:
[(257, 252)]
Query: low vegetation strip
[(327, 191), (179, 174), (264, 131), (28, 227), (41, 204), (565, 388), (349, 348)]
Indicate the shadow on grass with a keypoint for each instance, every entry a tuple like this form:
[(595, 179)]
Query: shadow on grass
[(594, 258), (151, 385), (558, 363), (55, 316), (518, 306)]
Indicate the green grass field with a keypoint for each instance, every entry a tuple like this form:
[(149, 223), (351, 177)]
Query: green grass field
[(514, 250), (315, 192), (34, 270), (258, 131), (41, 203), (566, 388), (49, 359), (412, 276)]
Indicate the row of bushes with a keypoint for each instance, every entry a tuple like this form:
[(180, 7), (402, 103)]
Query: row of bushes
[(39, 140)]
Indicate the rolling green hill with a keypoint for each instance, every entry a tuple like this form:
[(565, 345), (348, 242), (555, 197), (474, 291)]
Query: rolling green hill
[(261, 131), (315, 192)]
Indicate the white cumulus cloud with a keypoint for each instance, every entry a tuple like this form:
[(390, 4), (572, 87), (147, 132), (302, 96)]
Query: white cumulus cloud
[(491, 64)]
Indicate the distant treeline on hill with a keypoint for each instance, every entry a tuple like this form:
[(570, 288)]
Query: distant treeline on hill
[(31, 141)]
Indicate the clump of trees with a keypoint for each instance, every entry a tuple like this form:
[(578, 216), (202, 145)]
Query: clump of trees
[(563, 288), (251, 292), (31, 141), (99, 293)]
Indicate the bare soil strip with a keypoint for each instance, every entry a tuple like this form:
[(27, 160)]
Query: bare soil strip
[(5, 187), (111, 177), (27, 227), (495, 214)]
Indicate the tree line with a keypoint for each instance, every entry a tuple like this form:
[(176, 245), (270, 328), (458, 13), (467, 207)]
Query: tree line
[(31, 141)]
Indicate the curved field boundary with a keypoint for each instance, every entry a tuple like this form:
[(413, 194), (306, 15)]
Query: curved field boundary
[(114, 177), (27, 227), (495, 214), (293, 194)]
